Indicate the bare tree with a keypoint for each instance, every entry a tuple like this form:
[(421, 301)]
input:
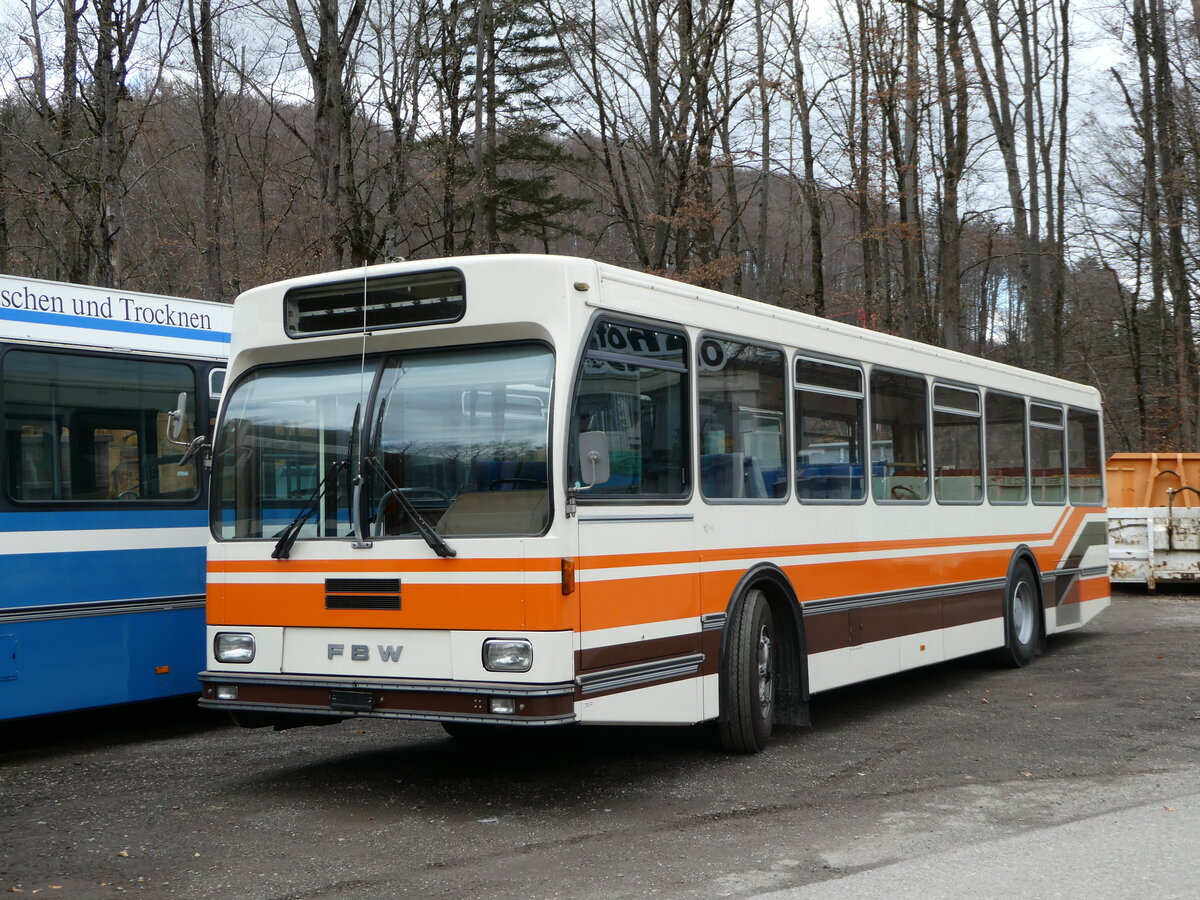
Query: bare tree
[(324, 38), (201, 30)]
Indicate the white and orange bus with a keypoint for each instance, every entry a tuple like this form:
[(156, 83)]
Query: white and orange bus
[(533, 490)]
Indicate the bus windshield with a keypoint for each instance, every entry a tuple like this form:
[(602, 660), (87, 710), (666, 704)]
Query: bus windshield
[(285, 429), (454, 439)]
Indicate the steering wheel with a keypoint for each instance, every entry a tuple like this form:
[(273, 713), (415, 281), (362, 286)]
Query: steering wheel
[(903, 492), (514, 480), (377, 521), (127, 494)]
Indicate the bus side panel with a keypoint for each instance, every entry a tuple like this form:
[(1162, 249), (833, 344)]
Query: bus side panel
[(1075, 576), (872, 608), (641, 649), (58, 665), (49, 580), (116, 619)]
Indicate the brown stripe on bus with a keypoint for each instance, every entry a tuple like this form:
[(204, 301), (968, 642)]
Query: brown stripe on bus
[(637, 651)]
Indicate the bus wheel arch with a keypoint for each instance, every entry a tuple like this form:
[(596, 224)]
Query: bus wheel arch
[(1024, 611), (767, 585)]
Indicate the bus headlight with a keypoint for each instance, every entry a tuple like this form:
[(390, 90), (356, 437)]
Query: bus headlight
[(507, 655), (233, 648)]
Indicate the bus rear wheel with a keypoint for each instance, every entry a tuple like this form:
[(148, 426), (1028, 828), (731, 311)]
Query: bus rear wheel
[(1022, 608), (749, 677)]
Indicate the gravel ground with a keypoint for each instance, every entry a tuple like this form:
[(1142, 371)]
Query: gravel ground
[(167, 801)]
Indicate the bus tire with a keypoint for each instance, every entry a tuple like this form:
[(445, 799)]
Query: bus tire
[(1022, 606), (749, 677)]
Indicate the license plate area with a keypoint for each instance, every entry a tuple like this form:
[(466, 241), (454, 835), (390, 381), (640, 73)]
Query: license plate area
[(352, 701)]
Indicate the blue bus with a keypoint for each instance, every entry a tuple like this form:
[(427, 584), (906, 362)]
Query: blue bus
[(102, 529)]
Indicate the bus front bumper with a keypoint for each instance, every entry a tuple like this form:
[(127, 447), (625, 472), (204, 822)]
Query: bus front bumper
[(285, 700)]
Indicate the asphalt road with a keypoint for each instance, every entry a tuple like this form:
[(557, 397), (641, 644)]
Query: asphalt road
[(1078, 776)]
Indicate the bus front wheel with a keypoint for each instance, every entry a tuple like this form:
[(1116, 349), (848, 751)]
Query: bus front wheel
[(1022, 607), (749, 677)]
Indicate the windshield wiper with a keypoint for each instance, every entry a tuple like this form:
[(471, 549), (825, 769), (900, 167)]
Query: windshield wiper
[(288, 536), (432, 538)]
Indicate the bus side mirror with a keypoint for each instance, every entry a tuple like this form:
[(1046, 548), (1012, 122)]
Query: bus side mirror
[(593, 458), (176, 419)]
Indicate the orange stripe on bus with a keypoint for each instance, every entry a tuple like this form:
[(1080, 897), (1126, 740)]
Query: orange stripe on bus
[(637, 601), (634, 600), (491, 564), (1086, 589), (625, 560), (462, 607), (1067, 535)]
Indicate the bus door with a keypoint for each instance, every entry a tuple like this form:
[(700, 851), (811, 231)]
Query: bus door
[(637, 569), (639, 613)]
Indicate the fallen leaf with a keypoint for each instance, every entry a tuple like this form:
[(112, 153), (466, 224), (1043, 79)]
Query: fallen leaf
[(1169, 808), (986, 700), (1027, 774), (122, 853)]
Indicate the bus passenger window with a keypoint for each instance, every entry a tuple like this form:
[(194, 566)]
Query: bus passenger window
[(1046, 453), (829, 431), (899, 437), (633, 387), (742, 435), (956, 445), (93, 428), (1085, 459), (1008, 480)]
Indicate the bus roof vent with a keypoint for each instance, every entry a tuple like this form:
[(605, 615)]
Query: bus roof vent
[(395, 301)]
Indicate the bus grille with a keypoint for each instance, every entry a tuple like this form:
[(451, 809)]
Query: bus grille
[(362, 593)]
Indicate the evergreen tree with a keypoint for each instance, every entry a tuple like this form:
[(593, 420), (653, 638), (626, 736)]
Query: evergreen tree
[(516, 67)]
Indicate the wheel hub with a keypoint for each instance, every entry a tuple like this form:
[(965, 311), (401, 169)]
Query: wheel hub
[(1023, 613), (766, 681)]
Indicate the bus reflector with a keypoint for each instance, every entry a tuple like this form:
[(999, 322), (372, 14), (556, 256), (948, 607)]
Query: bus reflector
[(568, 576), (162, 670)]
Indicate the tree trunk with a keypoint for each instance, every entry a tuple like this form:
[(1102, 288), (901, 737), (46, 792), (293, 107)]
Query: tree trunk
[(953, 101), (200, 15)]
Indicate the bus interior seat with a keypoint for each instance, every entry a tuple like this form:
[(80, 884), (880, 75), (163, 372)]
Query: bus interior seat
[(775, 481), (496, 512), (731, 475), (830, 481)]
